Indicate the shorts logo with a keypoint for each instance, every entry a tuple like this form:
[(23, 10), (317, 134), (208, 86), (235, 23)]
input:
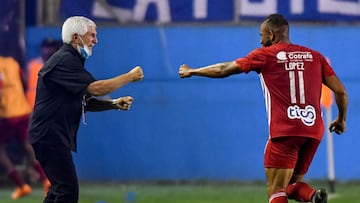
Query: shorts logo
[(306, 115)]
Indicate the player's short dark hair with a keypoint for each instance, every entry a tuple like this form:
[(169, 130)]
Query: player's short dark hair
[(277, 23), (277, 20)]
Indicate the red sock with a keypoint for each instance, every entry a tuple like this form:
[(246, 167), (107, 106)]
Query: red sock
[(279, 197), (300, 191), (40, 171), (14, 176)]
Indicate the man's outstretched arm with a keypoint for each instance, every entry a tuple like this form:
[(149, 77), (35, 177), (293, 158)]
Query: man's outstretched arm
[(219, 70), (121, 103), (104, 87)]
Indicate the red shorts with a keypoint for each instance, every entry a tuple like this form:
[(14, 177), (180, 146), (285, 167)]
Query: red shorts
[(290, 153), (14, 128)]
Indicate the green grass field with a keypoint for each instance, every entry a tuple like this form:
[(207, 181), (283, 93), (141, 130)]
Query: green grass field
[(180, 193)]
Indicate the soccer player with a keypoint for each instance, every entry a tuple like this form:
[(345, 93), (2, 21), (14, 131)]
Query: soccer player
[(291, 76), (47, 48), (14, 120), (65, 92)]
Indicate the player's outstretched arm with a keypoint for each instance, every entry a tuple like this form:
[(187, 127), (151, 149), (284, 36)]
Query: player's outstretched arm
[(121, 103), (339, 124), (219, 70), (104, 87)]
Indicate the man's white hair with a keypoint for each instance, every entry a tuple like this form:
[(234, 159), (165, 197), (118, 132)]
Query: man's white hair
[(75, 25)]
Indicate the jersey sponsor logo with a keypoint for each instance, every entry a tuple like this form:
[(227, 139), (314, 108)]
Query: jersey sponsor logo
[(283, 56), (307, 115), (300, 56)]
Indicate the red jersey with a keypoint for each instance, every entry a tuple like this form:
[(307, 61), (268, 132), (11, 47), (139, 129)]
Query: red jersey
[(291, 77)]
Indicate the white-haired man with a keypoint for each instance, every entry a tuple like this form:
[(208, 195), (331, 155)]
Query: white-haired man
[(65, 91)]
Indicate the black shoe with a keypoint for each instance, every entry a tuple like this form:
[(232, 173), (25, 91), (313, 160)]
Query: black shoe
[(320, 196)]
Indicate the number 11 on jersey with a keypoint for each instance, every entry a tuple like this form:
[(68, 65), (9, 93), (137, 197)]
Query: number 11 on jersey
[(301, 89)]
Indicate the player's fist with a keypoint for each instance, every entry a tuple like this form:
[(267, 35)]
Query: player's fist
[(136, 74), (337, 126), (123, 103), (184, 71)]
